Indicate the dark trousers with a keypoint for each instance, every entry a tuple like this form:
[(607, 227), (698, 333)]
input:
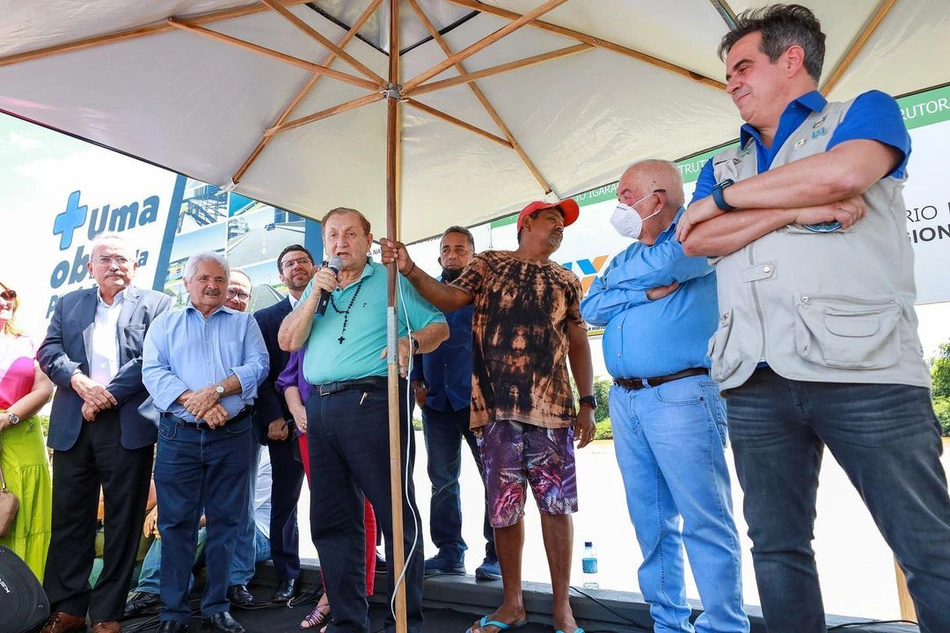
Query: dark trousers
[(887, 440), (97, 458), (287, 472), (199, 470), (348, 436), (444, 432)]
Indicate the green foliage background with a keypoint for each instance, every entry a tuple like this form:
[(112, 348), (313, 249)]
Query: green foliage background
[(940, 377)]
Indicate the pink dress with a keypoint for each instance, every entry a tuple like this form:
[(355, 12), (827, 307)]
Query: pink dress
[(24, 458)]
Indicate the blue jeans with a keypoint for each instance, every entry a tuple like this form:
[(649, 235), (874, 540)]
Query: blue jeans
[(887, 440), (242, 565), (197, 469), (444, 432), (150, 577), (348, 439), (669, 442)]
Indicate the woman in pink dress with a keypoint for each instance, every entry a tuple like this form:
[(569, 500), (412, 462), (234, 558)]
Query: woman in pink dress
[(24, 389)]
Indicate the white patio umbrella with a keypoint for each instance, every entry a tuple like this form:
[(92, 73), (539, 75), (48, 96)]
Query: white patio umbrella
[(423, 112)]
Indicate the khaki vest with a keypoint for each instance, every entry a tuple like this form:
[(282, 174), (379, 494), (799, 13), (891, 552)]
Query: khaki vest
[(824, 307)]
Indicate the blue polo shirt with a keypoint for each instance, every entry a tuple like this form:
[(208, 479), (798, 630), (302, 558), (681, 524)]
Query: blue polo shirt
[(328, 359), (873, 116), (447, 371), (643, 338)]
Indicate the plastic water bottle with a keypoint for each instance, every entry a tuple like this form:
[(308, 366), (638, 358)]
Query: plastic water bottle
[(589, 566)]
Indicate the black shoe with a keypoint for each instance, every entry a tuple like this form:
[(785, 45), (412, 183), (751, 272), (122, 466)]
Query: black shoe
[(240, 596), (222, 622), (444, 565), (171, 626), (286, 591), (142, 603)]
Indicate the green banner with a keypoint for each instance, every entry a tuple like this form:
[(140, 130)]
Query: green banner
[(925, 108)]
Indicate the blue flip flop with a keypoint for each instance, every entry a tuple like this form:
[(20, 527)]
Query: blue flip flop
[(576, 631), (501, 625)]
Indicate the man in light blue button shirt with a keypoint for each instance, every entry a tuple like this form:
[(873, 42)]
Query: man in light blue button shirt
[(658, 308), (202, 365)]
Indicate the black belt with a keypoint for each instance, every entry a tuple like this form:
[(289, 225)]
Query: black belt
[(370, 383), (204, 426), (643, 383)]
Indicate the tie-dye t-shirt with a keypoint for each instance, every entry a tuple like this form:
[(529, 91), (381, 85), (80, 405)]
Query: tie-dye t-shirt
[(520, 339)]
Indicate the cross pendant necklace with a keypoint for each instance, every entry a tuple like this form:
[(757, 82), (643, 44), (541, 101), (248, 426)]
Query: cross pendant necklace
[(346, 313)]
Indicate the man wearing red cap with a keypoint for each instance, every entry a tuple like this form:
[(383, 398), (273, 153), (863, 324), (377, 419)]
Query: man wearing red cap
[(526, 324)]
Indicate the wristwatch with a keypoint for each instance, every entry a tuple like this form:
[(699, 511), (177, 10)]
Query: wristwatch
[(588, 401), (13, 417), (718, 197), (415, 345), (219, 389)]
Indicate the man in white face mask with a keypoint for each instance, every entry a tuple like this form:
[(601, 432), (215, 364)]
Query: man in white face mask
[(659, 309)]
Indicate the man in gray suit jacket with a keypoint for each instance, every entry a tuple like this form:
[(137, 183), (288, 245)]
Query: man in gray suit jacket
[(93, 352)]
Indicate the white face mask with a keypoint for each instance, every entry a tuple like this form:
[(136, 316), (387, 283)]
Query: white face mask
[(627, 221)]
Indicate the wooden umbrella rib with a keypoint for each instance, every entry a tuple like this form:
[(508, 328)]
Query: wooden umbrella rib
[(277, 55), (323, 114), (858, 45), (495, 70), (284, 12), (439, 114), (489, 108), (130, 34), (594, 41), (481, 44), (303, 92)]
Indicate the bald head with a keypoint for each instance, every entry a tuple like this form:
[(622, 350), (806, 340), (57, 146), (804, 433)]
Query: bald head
[(652, 186), (652, 174)]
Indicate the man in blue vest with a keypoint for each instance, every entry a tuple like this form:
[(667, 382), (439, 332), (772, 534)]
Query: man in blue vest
[(817, 339), (442, 384)]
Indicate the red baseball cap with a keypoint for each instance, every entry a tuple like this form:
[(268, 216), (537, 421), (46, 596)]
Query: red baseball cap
[(567, 206)]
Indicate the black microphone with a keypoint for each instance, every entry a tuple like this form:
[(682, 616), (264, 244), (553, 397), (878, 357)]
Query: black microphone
[(334, 264)]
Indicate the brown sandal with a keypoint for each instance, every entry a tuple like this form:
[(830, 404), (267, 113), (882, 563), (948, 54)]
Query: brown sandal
[(320, 615)]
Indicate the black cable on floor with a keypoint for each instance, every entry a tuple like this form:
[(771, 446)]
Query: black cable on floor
[(632, 623), (849, 625)]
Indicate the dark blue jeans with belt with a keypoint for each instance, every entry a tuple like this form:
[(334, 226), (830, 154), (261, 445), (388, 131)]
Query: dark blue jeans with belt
[(887, 439), (199, 469), (348, 436)]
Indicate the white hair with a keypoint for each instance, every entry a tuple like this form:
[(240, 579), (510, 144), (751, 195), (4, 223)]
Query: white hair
[(110, 236), (206, 256)]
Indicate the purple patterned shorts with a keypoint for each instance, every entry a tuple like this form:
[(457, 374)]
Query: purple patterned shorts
[(515, 455)]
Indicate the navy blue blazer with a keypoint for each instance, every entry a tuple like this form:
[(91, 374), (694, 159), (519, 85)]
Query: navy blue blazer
[(271, 405), (66, 349)]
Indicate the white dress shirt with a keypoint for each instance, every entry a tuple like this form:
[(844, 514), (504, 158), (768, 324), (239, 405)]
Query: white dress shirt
[(104, 355)]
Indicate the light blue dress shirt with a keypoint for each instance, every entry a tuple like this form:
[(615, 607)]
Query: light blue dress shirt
[(643, 338), (183, 350)]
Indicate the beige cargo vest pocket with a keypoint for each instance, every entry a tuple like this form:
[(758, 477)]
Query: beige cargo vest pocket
[(847, 332), (725, 358)]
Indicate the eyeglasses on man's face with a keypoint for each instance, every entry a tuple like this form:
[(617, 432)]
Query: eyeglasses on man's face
[(240, 294), (107, 260), (287, 264), (8, 295)]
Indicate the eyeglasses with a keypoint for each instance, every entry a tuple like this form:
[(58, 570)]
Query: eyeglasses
[(240, 294), (106, 260), (290, 263), (8, 295)]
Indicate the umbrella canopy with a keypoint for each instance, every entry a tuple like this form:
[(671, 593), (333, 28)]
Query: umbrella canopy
[(286, 101)]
